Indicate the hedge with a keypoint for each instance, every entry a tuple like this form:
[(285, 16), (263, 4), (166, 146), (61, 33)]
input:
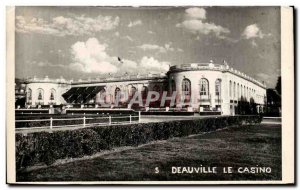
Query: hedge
[(44, 147)]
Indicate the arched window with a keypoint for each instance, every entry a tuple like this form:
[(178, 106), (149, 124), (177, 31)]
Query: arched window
[(242, 90), (186, 87), (117, 94), (218, 87), (144, 92), (230, 89), (204, 87), (52, 94), (102, 95), (29, 94), (173, 86), (132, 91), (234, 89), (238, 90), (40, 94)]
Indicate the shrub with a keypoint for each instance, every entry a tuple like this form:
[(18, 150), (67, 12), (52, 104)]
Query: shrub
[(44, 147)]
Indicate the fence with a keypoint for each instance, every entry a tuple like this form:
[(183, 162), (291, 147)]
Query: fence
[(82, 121)]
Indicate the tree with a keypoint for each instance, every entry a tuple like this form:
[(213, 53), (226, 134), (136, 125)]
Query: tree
[(278, 85)]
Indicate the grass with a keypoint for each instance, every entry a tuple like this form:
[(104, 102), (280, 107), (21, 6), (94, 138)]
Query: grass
[(245, 146)]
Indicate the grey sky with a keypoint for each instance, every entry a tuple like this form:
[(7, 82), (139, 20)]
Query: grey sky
[(83, 42)]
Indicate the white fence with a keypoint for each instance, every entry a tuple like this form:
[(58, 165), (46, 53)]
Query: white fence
[(84, 122)]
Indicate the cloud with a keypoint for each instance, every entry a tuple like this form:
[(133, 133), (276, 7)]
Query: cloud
[(194, 23), (129, 38), (253, 43), (253, 31), (135, 23), (63, 26), (150, 32), (195, 12), (179, 50), (266, 78), (162, 49), (91, 57), (47, 64), (200, 27), (149, 63)]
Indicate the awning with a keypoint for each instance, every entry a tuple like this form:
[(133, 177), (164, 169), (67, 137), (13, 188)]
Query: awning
[(81, 94)]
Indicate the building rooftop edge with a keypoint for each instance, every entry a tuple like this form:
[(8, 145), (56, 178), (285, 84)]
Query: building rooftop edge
[(96, 80), (176, 68), (215, 67)]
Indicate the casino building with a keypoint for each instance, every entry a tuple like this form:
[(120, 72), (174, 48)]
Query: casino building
[(200, 87)]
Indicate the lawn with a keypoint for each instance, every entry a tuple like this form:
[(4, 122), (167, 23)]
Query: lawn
[(245, 146)]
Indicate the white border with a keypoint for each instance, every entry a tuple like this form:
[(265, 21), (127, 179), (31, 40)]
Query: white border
[(287, 84)]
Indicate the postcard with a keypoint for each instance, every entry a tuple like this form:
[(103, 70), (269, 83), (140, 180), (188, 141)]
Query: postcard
[(150, 95)]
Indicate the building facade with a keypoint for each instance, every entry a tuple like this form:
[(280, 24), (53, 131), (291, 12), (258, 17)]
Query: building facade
[(199, 87)]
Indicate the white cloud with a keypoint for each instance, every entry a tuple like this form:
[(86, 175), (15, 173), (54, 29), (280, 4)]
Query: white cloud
[(162, 49), (253, 31), (134, 23), (253, 43), (62, 26), (129, 38), (151, 47), (179, 50), (149, 63), (117, 34), (194, 23), (150, 32), (91, 57), (47, 64), (200, 27), (195, 12)]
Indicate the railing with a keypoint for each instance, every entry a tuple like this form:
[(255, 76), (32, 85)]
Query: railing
[(84, 121), (106, 79), (215, 67)]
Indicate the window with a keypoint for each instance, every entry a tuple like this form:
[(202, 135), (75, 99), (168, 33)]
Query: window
[(204, 87), (144, 92), (218, 87), (117, 93), (102, 95), (40, 94), (230, 89), (132, 91), (186, 87), (173, 86), (234, 89), (52, 94), (238, 90), (29, 94), (241, 90)]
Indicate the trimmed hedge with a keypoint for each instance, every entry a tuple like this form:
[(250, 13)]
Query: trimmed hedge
[(176, 113), (44, 147)]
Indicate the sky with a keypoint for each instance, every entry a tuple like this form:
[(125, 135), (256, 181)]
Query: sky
[(85, 42)]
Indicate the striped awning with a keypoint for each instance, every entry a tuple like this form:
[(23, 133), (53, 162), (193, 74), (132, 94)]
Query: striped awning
[(81, 94)]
